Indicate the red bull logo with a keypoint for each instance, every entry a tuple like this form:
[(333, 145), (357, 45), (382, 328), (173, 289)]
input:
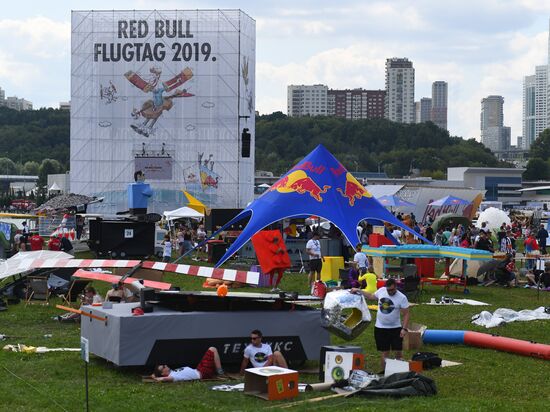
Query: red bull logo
[(353, 189), (301, 183)]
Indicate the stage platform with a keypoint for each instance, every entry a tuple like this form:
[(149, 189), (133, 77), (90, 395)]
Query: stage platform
[(183, 325)]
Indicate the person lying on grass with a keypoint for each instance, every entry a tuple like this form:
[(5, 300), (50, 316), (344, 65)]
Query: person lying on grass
[(208, 367)]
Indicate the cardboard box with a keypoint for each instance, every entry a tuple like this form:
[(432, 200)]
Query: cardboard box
[(413, 339), (271, 383), (338, 365)]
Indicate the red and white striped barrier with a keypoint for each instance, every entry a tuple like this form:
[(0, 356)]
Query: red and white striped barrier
[(27, 264), (242, 276)]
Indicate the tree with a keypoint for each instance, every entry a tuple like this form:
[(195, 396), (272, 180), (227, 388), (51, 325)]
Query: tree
[(31, 168), (537, 169), (541, 146), (7, 166)]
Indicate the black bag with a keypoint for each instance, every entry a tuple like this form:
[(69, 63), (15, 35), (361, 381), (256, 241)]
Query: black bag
[(470, 281), (429, 360)]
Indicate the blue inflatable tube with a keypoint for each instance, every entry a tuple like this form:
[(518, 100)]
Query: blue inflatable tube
[(443, 336)]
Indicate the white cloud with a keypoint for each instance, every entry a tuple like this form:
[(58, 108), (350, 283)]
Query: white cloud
[(16, 73), (38, 36)]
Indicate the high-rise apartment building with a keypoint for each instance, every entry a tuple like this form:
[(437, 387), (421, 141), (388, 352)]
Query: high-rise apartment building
[(423, 110), (399, 105), (493, 133), (2, 96), (356, 104), (439, 104), (535, 116), (529, 113), (307, 100)]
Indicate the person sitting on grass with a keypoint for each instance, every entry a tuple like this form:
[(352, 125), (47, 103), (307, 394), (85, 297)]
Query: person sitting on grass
[(119, 293), (89, 297), (209, 366), (504, 273), (260, 354)]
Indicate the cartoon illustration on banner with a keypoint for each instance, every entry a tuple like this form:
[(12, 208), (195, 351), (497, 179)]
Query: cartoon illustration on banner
[(152, 109)]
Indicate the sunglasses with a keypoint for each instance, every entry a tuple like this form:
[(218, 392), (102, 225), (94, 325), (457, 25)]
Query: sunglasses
[(254, 337)]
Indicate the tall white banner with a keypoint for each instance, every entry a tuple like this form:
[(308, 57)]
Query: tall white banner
[(168, 93)]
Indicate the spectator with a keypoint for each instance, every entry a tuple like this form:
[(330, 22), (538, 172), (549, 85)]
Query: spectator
[(260, 354), (54, 244), (484, 243), (167, 249), (360, 260), (66, 245), (542, 235), (36, 241)]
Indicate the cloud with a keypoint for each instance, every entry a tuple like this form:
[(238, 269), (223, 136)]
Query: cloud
[(39, 36), (16, 73)]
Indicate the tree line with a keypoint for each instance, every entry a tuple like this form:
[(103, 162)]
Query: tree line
[(367, 145), (36, 142)]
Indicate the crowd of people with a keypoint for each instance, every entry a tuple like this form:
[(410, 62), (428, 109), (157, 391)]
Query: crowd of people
[(26, 240)]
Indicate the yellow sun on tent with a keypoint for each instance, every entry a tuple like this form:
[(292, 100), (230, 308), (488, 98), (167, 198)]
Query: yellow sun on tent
[(195, 203)]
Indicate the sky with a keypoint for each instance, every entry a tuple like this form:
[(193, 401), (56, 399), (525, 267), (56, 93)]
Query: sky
[(481, 48)]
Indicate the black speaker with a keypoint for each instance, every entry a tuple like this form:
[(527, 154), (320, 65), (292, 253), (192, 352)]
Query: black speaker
[(219, 217), (245, 143)]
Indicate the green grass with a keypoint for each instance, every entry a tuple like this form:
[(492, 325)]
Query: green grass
[(487, 380)]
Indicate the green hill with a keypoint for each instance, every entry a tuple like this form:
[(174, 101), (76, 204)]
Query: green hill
[(33, 135), (366, 145)]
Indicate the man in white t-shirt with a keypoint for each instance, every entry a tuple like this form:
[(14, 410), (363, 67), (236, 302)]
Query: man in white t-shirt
[(388, 331), (208, 367), (313, 249), (260, 354), (360, 260)]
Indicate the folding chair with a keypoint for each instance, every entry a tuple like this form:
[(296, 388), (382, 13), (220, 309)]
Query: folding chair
[(75, 290), (37, 290)]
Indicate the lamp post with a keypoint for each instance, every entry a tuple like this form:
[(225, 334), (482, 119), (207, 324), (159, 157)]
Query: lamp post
[(381, 162)]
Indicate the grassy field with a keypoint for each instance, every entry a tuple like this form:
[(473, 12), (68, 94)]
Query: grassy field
[(487, 380)]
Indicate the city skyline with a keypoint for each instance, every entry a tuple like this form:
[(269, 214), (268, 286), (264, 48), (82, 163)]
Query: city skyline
[(345, 46)]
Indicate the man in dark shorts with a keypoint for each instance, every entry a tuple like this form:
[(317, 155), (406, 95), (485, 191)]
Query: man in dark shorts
[(313, 249), (209, 366), (388, 331)]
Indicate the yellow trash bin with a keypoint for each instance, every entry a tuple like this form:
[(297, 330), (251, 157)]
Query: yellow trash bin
[(331, 268)]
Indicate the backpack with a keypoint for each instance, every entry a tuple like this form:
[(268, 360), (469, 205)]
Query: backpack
[(429, 360)]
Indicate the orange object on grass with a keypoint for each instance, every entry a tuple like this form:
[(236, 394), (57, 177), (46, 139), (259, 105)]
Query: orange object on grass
[(222, 291)]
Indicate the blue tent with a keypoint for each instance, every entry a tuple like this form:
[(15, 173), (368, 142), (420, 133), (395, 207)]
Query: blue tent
[(318, 185)]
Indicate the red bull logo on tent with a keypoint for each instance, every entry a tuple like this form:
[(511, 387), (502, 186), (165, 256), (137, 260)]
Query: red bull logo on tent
[(353, 189), (299, 182)]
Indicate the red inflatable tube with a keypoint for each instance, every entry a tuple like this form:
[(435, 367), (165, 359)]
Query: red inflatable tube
[(521, 347)]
